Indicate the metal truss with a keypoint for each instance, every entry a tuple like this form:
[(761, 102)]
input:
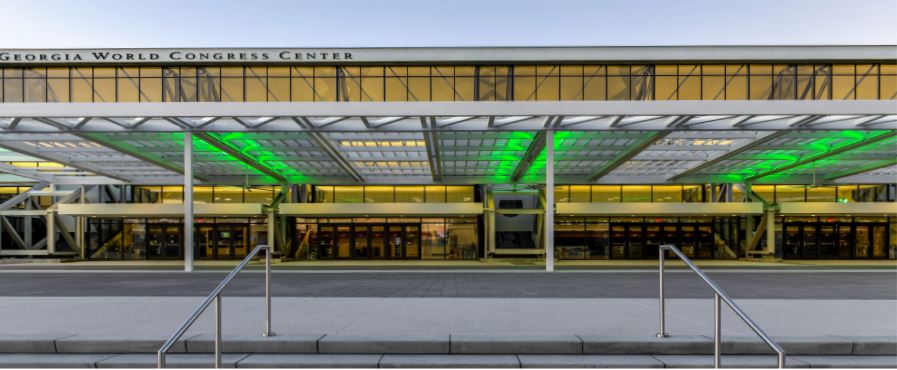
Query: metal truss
[(464, 143)]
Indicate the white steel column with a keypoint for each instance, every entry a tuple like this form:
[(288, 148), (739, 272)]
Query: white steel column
[(771, 231), (271, 219), (51, 231), (549, 201), (188, 202)]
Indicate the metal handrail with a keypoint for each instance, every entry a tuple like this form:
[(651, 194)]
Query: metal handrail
[(719, 294), (216, 297)]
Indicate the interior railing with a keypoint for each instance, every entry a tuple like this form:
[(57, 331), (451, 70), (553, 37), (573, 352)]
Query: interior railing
[(215, 297), (718, 295)]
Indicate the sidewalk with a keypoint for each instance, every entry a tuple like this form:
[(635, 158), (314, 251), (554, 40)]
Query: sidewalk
[(159, 316)]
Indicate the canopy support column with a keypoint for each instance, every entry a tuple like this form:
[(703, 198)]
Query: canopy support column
[(549, 201), (188, 202), (771, 231)]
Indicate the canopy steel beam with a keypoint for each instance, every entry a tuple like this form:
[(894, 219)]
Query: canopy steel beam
[(823, 155), (19, 148), (866, 168), (251, 161), (731, 154), (325, 146), (128, 150), (628, 154), (432, 143), (535, 148)]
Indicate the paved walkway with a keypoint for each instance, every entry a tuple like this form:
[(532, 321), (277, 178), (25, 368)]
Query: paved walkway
[(158, 316)]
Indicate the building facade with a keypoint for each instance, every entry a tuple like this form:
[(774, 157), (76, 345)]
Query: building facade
[(450, 153)]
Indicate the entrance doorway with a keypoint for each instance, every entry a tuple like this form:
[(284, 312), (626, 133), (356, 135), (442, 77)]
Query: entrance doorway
[(368, 241), (845, 240), (222, 241), (163, 241), (643, 240)]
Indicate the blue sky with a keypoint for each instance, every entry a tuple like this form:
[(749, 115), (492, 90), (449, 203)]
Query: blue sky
[(348, 23)]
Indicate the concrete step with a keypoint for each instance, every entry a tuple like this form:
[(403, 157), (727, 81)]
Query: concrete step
[(181, 360), (451, 344)]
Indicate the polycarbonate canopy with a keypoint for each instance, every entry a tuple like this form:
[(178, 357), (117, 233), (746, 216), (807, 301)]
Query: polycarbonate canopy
[(416, 143)]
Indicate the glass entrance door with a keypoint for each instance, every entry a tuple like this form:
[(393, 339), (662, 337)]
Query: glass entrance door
[(652, 241), (378, 241), (826, 241), (395, 241), (809, 248), (627, 240), (792, 241), (163, 241), (870, 241), (362, 242), (844, 241)]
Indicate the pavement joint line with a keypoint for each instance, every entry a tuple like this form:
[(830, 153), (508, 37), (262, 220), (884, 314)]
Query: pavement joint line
[(379, 301), (439, 271), (56, 346)]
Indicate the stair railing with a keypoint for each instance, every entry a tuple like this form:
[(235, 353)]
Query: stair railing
[(215, 297), (719, 295)]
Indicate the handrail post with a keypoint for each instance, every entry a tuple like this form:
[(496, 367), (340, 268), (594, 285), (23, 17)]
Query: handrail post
[(160, 359), (717, 323), (662, 307), (218, 331), (781, 356), (268, 332)]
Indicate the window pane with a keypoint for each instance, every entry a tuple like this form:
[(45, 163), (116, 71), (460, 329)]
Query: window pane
[(766, 192), (595, 83), (789, 193), (396, 84), (459, 194), (372, 84), (580, 193), (760, 81), (256, 84), (278, 89), (349, 194), (302, 84), (259, 194), (867, 81), (443, 83), (35, 85), (785, 82), (667, 193), (228, 194), (128, 85), (325, 84), (548, 83), (736, 82), (58, 90), (412, 194), (618, 83), (524, 83), (104, 90), (435, 194), (562, 194), (378, 194), (172, 194), (692, 193), (82, 85), (323, 194), (821, 194), (642, 82), (689, 82), (636, 193), (605, 193)]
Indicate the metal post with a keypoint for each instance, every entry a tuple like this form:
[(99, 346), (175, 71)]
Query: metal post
[(268, 332), (771, 232), (781, 357), (662, 306), (51, 232), (188, 202), (716, 330), (272, 220), (218, 331), (549, 201)]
